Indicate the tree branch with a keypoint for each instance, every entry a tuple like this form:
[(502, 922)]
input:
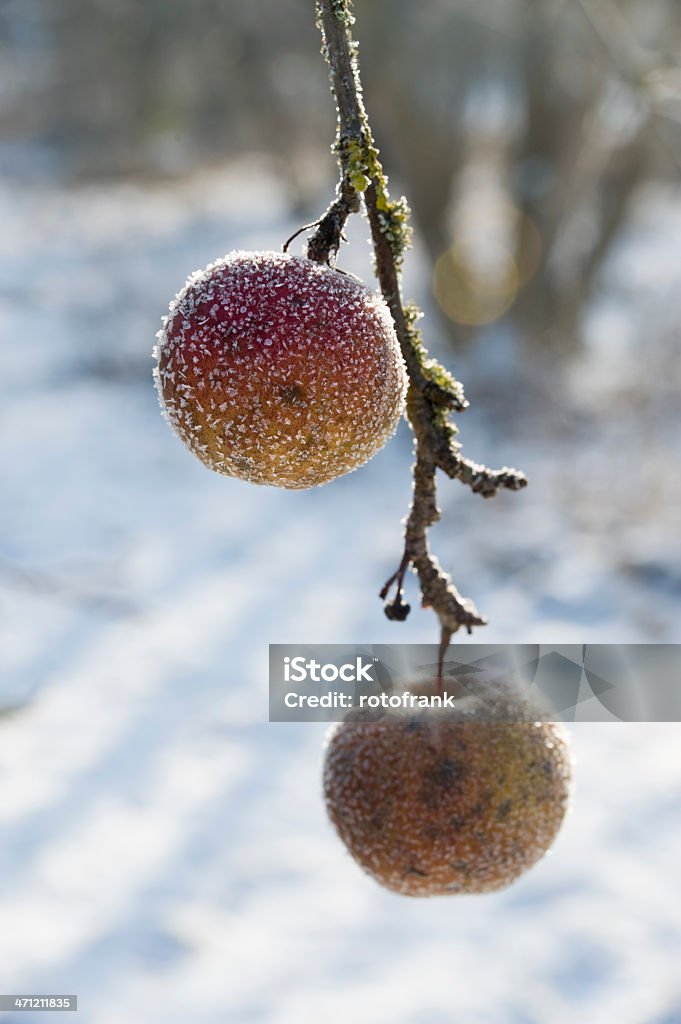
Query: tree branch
[(433, 392)]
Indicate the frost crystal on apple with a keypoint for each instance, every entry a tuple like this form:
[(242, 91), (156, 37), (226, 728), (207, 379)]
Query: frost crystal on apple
[(279, 370)]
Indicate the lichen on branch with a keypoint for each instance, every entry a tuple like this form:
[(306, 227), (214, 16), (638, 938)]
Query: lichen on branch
[(433, 392)]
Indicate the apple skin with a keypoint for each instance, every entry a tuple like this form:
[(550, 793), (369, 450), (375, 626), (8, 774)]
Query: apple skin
[(279, 370), (429, 804)]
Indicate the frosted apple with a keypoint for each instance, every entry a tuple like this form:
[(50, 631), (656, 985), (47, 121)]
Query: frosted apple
[(436, 805), (279, 370)]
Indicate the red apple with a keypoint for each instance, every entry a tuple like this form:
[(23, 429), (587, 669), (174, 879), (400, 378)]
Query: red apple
[(279, 370)]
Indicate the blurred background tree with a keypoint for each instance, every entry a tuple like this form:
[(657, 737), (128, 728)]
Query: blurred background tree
[(521, 130)]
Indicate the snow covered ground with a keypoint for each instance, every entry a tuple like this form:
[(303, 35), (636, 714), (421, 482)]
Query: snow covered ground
[(164, 851)]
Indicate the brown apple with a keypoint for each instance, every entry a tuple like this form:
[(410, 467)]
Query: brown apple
[(439, 802)]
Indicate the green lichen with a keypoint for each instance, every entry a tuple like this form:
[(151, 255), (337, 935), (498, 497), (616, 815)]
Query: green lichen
[(341, 9), (393, 214), (354, 162), (359, 181), (443, 389), (361, 166), (394, 219)]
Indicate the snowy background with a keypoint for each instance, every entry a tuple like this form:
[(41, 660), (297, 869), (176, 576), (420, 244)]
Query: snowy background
[(164, 851)]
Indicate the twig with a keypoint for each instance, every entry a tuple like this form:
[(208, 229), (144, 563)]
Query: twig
[(433, 392), (300, 231), (628, 61)]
